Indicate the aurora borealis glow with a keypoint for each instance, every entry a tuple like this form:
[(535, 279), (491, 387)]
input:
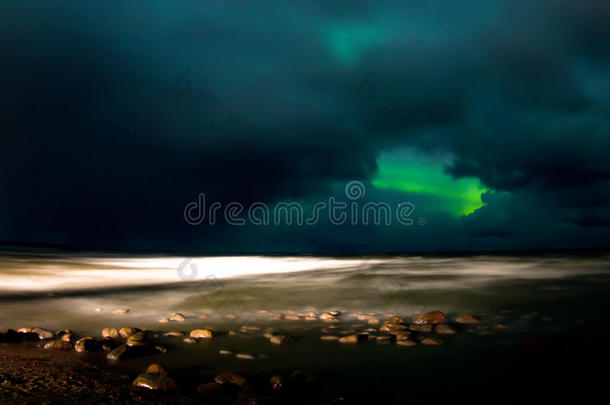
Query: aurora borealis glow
[(115, 117), (414, 174)]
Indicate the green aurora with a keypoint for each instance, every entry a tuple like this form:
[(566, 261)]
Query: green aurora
[(412, 173)]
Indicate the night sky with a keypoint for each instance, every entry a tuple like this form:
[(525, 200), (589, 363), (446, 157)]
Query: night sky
[(491, 117)]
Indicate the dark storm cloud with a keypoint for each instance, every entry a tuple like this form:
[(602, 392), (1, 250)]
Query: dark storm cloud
[(115, 115)]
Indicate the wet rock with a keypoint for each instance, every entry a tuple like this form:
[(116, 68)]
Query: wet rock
[(401, 334), (407, 342), (329, 337), (86, 344), (43, 334), (177, 317), (66, 337), (120, 352), (35, 333), (430, 318), (62, 332), (111, 333), (432, 342), (121, 311), (373, 321), (174, 333), (156, 369), (163, 320), (421, 328), (326, 316), (189, 340), (225, 352), (278, 382), (230, 377), (311, 318), (292, 318), (58, 345), (395, 319), (467, 320), (201, 334), (137, 339), (444, 329), (384, 340), (308, 313), (245, 356), (389, 327), (280, 339), (249, 328), (126, 331), (155, 382), (352, 338)]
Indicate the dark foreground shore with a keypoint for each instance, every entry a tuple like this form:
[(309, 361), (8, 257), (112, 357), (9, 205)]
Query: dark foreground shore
[(31, 375), (429, 360)]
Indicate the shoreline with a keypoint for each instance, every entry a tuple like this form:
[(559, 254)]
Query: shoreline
[(32, 375)]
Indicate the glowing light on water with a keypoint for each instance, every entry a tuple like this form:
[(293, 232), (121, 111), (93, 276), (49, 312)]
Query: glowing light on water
[(82, 273)]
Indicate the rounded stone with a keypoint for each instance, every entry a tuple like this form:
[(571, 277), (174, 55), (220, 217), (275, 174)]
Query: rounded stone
[(389, 327), (86, 344), (467, 320), (407, 342), (430, 318), (58, 345), (174, 333), (201, 334), (230, 377), (111, 333), (118, 353), (177, 317), (444, 329), (155, 382), (156, 368), (137, 339), (421, 328), (432, 342), (277, 382), (329, 337), (126, 331), (280, 339), (352, 338)]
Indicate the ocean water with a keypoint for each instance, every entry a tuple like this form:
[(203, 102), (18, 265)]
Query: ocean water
[(542, 314)]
